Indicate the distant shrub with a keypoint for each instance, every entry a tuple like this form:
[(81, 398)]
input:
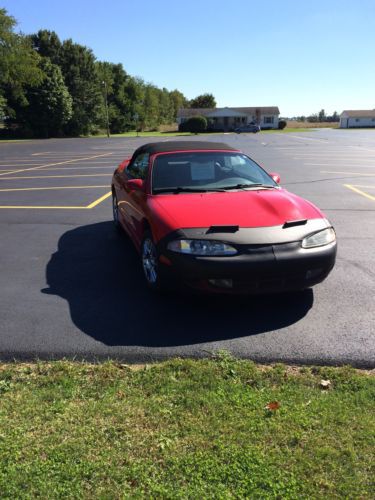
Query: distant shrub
[(195, 124), (282, 124)]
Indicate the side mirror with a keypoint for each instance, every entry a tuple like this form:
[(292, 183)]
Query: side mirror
[(135, 185), (275, 177)]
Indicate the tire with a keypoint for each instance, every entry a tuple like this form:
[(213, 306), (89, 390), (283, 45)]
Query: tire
[(152, 270), (116, 221)]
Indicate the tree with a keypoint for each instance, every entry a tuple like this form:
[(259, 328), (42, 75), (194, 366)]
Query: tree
[(178, 101), (78, 68), (194, 124), (18, 66), (322, 116), (203, 101), (47, 44), (49, 104)]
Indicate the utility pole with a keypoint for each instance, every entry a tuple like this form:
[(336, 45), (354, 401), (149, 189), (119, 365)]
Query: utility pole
[(106, 105)]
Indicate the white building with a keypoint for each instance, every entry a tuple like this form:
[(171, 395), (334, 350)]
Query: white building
[(357, 118), (230, 118)]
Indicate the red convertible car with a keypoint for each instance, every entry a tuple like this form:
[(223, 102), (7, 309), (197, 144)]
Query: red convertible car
[(208, 216)]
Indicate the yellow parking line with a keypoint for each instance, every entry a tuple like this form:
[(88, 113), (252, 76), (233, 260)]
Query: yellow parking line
[(43, 207), (58, 163), (79, 168), (19, 165), (366, 195), (349, 173), (99, 200), (53, 176), (359, 186), (28, 207), (49, 188)]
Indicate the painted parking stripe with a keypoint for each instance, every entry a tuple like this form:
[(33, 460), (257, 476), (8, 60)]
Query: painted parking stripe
[(78, 168), (348, 173), (304, 138), (43, 207), (58, 163), (49, 188), (53, 176), (332, 164), (99, 200), (359, 191)]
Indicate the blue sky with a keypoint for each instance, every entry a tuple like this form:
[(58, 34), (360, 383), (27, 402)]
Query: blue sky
[(299, 55)]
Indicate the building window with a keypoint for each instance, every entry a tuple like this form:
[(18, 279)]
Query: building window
[(243, 119), (268, 119), (357, 120), (373, 120)]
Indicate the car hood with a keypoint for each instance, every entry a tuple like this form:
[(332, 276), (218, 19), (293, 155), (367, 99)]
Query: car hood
[(249, 208)]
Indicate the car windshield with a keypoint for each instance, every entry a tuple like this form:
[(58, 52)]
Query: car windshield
[(207, 171)]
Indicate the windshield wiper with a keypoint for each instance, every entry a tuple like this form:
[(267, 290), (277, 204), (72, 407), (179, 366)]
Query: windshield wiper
[(243, 186), (179, 189)]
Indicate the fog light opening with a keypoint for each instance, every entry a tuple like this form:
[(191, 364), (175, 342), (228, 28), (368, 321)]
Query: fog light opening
[(313, 273), (222, 283)]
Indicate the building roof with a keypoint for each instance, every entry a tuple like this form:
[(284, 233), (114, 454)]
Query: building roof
[(359, 113), (171, 146), (264, 110)]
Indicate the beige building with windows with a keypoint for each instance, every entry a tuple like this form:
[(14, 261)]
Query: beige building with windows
[(228, 119), (352, 118)]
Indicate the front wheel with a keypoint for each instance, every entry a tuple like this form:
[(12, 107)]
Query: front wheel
[(115, 211), (154, 273)]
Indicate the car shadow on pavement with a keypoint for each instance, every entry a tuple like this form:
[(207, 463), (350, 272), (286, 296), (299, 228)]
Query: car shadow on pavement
[(98, 272)]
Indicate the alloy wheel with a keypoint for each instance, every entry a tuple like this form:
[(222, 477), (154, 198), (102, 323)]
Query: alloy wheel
[(149, 261), (115, 210)]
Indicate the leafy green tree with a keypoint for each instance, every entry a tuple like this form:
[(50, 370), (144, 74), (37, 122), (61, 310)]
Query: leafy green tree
[(194, 124), (115, 82), (18, 66), (166, 109), (135, 91), (203, 101), (47, 44), (2, 107), (322, 116), (78, 68), (49, 104), (178, 101), (151, 116)]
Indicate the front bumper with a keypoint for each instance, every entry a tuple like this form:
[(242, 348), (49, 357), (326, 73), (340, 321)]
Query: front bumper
[(257, 268)]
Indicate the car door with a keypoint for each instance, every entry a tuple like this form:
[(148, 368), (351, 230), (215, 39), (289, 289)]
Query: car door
[(132, 201)]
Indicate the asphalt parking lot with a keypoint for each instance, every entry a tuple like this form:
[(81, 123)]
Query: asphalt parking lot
[(72, 287)]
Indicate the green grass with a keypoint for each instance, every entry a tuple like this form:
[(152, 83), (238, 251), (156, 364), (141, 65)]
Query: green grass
[(184, 429), (145, 134), (180, 134)]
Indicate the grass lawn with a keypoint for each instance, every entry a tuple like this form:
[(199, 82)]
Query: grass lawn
[(146, 134), (188, 134), (185, 429)]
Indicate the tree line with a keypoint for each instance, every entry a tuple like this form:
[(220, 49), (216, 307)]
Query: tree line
[(318, 117), (52, 88)]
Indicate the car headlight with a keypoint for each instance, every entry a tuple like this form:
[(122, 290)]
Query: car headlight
[(201, 247), (319, 239)]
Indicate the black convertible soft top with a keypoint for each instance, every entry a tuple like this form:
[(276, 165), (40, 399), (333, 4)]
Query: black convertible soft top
[(170, 146)]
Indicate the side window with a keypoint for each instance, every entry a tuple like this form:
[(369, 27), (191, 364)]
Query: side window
[(139, 167)]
